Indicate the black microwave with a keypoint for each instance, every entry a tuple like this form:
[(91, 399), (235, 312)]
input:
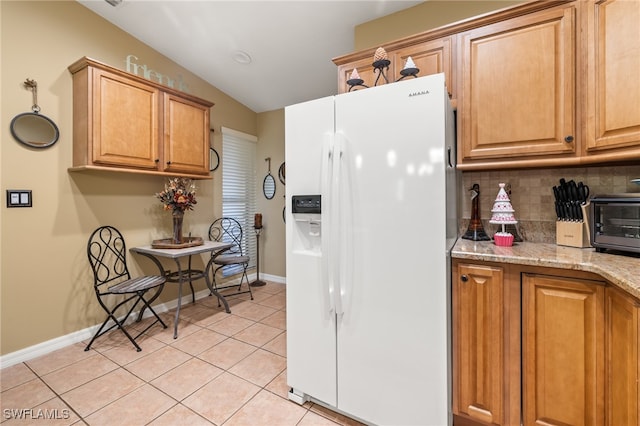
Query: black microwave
[(615, 222)]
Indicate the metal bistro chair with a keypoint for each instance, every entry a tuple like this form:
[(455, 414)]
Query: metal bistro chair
[(107, 254), (227, 229)]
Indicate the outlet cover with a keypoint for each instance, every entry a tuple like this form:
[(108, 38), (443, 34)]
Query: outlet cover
[(19, 198)]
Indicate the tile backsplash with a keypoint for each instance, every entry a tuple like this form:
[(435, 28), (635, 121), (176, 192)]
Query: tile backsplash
[(532, 195)]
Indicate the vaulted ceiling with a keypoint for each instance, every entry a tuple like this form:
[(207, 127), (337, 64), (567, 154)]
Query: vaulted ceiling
[(265, 54)]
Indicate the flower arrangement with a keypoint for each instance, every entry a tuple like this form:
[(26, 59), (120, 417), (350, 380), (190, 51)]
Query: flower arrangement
[(179, 195)]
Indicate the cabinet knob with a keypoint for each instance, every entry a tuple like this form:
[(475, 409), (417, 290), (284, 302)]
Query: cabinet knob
[(568, 139), (157, 160), (168, 163), (464, 278)]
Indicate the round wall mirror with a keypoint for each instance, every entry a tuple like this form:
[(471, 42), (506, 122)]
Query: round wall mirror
[(281, 172), (34, 130), (269, 186), (214, 159)]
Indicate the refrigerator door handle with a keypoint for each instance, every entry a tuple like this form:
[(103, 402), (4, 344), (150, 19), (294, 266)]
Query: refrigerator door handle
[(327, 224), (343, 211), (336, 230)]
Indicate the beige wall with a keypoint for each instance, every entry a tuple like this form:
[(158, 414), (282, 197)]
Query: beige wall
[(44, 278), (272, 239), (45, 282), (422, 17)]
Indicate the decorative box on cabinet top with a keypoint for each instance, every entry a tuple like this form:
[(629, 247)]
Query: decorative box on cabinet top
[(123, 122)]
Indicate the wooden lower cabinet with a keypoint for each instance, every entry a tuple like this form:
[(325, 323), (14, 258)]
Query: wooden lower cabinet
[(563, 350), (542, 346), (621, 357), (486, 344), (477, 299)]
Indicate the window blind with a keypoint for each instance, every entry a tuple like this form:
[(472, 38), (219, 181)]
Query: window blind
[(239, 188)]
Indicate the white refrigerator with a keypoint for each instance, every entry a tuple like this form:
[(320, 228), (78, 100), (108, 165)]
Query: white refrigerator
[(370, 221)]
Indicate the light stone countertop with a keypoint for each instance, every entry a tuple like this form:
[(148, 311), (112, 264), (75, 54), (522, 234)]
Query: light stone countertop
[(621, 270)]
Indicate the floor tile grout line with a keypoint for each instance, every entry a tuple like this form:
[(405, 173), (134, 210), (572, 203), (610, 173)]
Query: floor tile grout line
[(197, 357), (227, 370), (57, 395), (263, 388), (192, 320)]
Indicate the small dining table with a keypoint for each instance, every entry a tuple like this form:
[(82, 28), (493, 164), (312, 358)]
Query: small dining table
[(185, 275)]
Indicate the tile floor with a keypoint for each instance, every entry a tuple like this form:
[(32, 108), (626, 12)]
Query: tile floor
[(223, 369)]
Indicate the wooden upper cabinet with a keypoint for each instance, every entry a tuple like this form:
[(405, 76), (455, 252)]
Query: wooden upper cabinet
[(118, 101), (613, 85), (430, 57), (122, 122), (478, 366), (518, 83), (563, 350), (540, 84), (186, 139)]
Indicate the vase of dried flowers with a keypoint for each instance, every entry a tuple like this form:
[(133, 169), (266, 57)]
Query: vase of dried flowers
[(178, 217), (178, 196)]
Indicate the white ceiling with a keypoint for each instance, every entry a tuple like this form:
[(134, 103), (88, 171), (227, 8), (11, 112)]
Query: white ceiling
[(291, 43)]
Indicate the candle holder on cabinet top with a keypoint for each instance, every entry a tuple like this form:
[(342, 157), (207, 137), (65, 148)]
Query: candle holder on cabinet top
[(409, 69), (381, 63), (355, 80)]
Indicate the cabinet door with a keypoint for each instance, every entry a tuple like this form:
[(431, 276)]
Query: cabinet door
[(613, 86), (518, 87), (431, 57), (125, 122), (477, 342), (621, 359), (366, 72), (186, 136), (563, 351)]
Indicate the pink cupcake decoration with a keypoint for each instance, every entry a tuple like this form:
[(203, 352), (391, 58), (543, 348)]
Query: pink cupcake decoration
[(502, 213)]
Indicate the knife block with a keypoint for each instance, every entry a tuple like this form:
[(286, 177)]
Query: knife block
[(572, 234)]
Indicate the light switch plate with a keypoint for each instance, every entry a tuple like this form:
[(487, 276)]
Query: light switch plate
[(19, 198)]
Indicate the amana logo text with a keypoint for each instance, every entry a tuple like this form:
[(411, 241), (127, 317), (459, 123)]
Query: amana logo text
[(421, 92)]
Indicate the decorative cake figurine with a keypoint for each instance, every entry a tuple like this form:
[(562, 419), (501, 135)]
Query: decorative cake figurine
[(502, 214)]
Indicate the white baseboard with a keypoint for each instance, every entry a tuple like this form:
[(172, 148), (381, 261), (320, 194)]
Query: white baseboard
[(268, 277), (44, 348)]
